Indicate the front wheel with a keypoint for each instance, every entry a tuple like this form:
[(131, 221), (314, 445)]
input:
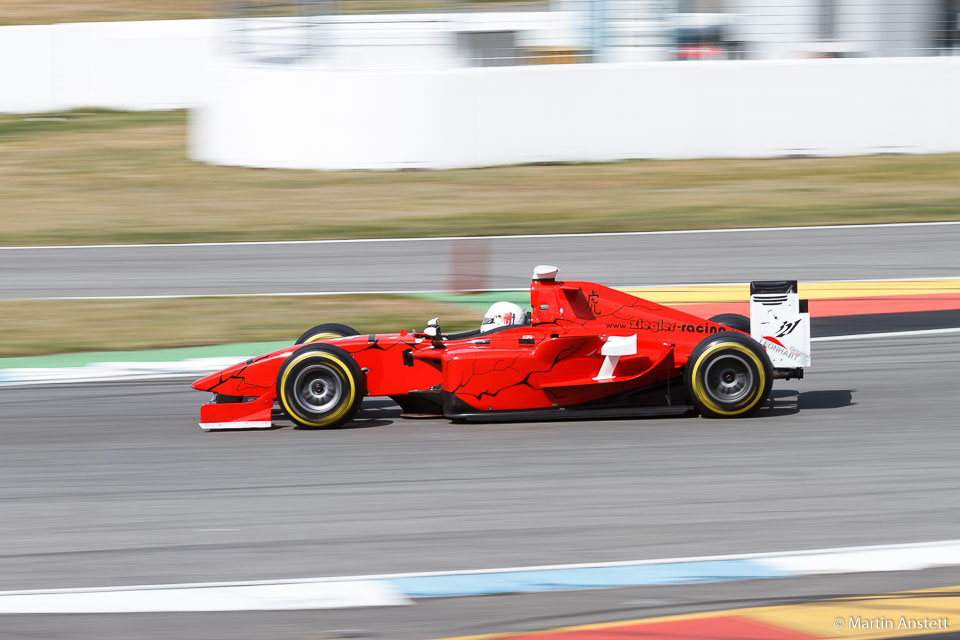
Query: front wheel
[(326, 331), (320, 386), (728, 375)]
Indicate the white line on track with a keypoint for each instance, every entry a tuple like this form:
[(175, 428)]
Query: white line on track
[(410, 292), (275, 596), (951, 545), (272, 294), (376, 590), (98, 380), (498, 237), (889, 334)]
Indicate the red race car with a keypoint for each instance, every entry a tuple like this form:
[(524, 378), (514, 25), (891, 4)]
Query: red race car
[(583, 351)]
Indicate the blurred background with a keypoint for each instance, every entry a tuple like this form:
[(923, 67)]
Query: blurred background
[(132, 122), (449, 33)]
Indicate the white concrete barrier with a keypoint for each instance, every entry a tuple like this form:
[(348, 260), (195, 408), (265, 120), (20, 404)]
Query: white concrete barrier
[(367, 102), (163, 64), (133, 65), (315, 119), (116, 65), (26, 70)]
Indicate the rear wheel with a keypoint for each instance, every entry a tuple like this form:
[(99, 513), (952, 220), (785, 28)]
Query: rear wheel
[(728, 376), (733, 320), (327, 331), (320, 386)]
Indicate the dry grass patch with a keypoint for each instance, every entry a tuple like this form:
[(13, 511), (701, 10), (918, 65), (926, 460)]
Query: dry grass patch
[(45, 327), (109, 177), (52, 11)]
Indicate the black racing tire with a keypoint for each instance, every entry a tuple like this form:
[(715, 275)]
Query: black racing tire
[(733, 320), (728, 375), (320, 386), (326, 331)]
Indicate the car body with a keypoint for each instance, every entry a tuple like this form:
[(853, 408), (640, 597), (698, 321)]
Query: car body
[(587, 351)]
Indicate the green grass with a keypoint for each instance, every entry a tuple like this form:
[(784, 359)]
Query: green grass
[(99, 176), (39, 126), (70, 326)]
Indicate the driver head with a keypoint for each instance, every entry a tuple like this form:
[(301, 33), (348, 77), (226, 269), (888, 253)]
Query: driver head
[(501, 314)]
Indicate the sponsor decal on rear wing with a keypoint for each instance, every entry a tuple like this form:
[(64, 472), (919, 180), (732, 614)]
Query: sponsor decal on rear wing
[(779, 321)]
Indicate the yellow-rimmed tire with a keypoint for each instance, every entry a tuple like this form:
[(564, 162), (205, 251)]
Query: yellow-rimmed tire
[(327, 331), (728, 375), (320, 386)]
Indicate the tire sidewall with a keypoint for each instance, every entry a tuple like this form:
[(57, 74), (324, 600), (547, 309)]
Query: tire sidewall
[(337, 361), (713, 348), (326, 331)]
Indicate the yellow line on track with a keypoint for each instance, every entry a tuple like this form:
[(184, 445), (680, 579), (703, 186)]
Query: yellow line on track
[(809, 290)]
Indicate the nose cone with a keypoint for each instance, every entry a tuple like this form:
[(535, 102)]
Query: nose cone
[(223, 381), (207, 383), (235, 380)]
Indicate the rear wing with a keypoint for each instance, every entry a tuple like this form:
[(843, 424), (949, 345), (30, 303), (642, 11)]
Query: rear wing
[(780, 322)]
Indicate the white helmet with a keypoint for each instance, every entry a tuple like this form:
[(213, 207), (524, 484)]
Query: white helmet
[(501, 314)]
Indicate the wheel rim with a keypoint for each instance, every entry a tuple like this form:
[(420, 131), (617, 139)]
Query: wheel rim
[(317, 389), (729, 379), (326, 335)]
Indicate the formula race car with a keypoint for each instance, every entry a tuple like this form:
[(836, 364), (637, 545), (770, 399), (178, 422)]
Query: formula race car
[(583, 351)]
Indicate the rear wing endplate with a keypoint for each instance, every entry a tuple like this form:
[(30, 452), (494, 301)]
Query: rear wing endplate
[(780, 322)]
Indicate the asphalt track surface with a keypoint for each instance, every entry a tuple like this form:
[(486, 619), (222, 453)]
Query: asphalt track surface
[(112, 484), (815, 254)]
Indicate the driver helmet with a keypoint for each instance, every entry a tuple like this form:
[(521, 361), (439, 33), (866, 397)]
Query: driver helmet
[(502, 314)]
